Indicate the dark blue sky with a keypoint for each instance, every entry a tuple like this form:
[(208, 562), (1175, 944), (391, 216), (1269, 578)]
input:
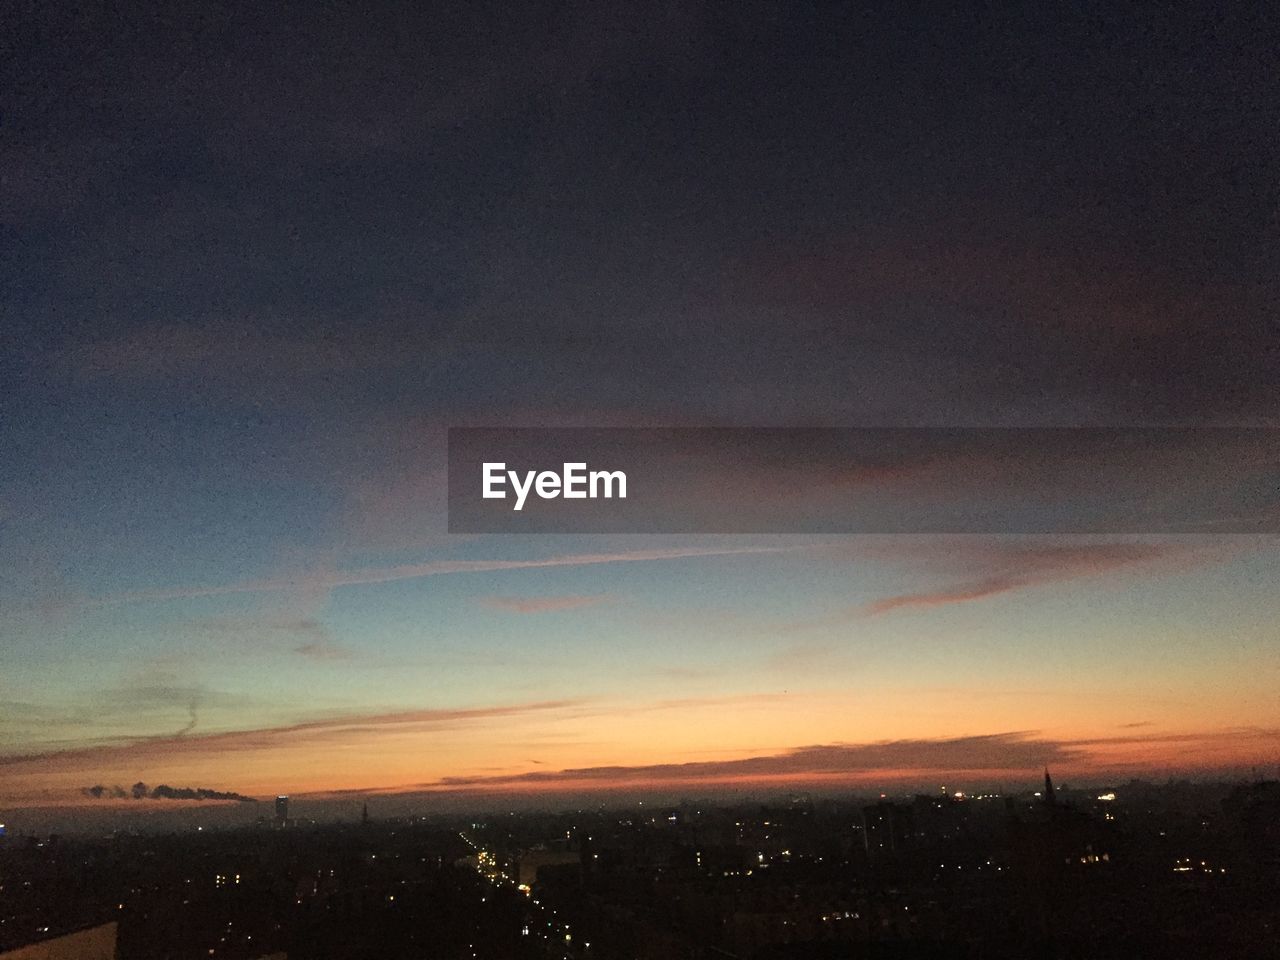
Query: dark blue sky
[(1060, 214)]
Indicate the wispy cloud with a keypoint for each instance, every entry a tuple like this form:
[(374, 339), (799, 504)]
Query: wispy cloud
[(1011, 567), (415, 571), (153, 693), (544, 604), (344, 728), (153, 703), (321, 650), (297, 627)]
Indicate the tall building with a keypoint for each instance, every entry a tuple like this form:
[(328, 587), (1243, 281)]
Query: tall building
[(282, 809), (887, 827)]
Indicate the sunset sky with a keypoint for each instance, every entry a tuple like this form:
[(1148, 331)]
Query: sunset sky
[(256, 263)]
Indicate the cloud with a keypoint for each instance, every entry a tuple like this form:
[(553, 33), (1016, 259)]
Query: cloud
[(1002, 751), (153, 693), (153, 704), (192, 718), (991, 755), (415, 571), (317, 732), (543, 604), (319, 650), (307, 628), (1012, 567), (994, 756)]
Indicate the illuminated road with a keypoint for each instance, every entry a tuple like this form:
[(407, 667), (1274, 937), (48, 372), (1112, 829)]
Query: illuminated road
[(541, 921)]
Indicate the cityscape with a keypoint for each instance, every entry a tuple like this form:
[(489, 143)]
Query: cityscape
[(607, 480), (1139, 869)]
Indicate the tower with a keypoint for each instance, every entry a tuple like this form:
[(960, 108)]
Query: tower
[(282, 809), (1050, 800)]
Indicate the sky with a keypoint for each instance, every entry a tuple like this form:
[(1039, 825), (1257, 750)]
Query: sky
[(256, 261)]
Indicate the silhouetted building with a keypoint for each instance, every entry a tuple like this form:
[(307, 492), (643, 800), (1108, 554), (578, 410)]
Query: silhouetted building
[(887, 827), (1253, 812), (282, 809)]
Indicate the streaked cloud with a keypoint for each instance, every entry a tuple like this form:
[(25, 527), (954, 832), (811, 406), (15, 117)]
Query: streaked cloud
[(1006, 568), (544, 604), (321, 650), (415, 571), (313, 732), (1003, 751), (1010, 753)]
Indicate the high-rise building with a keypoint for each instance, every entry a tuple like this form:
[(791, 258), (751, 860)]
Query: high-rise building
[(282, 809), (887, 827)]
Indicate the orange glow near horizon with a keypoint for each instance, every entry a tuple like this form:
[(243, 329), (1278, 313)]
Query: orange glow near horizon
[(753, 742)]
